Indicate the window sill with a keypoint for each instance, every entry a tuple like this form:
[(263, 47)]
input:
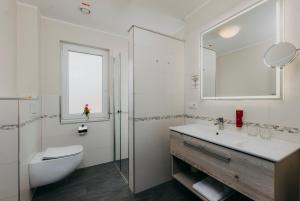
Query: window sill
[(83, 121)]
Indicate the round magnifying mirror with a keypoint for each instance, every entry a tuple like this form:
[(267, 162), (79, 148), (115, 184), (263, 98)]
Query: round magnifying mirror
[(281, 54)]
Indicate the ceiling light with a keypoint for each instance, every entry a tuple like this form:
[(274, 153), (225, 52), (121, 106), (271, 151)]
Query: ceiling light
[(85, 8), (230, 31)]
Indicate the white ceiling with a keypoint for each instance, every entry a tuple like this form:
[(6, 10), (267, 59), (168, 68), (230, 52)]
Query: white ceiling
[(257, 25), (118, 15)]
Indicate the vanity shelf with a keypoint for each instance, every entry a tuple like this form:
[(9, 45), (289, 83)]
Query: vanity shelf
[(182, 172), (188, 182)]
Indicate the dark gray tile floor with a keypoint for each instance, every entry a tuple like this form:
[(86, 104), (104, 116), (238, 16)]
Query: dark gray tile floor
[(104, 183)]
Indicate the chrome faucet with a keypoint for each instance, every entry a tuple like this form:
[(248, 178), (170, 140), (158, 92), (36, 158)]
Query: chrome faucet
[(220, 123)]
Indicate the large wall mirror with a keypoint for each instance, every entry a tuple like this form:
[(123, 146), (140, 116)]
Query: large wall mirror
[(232, 55)]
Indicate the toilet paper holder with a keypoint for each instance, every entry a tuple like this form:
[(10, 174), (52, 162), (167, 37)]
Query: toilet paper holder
[(82, 130)]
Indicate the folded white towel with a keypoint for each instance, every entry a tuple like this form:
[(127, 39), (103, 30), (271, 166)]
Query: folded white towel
[(212, 189)]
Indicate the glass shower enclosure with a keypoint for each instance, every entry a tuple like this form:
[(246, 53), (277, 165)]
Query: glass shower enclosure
[(120, 119)]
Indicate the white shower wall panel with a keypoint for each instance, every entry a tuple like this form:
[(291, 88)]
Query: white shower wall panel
[(157, 103)]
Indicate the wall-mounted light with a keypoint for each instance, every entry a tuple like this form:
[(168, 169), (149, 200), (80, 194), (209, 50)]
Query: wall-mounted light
[(85, 8), (196, 81), (229, 31)]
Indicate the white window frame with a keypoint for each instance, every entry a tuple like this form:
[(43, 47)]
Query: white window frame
[(66, 117)]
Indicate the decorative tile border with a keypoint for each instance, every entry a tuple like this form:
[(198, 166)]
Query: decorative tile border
[(16, 126), (30, 121), (8, 127), (50, 116), (166, 117), (157, 118), (25, 123), (231, 122), (226, 121)]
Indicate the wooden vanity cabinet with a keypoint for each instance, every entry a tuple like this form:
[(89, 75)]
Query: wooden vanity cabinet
[(257, 178)]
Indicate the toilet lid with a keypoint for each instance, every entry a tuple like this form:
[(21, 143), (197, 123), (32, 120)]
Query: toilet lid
[(61, 152)]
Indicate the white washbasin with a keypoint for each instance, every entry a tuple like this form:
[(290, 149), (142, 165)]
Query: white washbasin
[(271, 149), (211, 134)]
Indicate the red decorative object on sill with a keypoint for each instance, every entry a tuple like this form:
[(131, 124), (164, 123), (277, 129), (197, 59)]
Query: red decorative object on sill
[(239, 118), (86, 111)]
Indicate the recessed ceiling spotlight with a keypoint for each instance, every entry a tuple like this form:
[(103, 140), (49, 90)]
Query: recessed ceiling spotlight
[(85, 8), (229, 31)]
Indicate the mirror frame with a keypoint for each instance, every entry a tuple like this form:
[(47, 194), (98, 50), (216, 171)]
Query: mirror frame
[(279, 38)]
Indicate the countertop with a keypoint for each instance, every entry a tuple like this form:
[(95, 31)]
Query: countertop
[(272, 149)]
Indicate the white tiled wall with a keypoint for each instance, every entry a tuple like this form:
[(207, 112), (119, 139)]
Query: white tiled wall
[(9, 151), (284, 112), (98, 144), (30, 141), (9, 180), (9, 139), (156, 89), (18, 146)]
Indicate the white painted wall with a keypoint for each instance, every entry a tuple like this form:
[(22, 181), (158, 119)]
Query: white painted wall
[(98, 144), (28, 68), (8, 11), (19, 49), (282, 112)]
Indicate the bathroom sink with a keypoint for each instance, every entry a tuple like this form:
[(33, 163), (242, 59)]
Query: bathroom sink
[(231, 137), (212, 134), (271, 149)]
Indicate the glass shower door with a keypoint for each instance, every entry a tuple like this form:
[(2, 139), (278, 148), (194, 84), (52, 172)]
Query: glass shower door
[(120, 119), (117, 111)]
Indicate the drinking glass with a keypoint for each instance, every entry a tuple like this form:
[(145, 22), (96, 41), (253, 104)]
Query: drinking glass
[(252, 130), (265, 133)]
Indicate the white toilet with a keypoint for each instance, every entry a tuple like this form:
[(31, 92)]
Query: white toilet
[(54, 164)]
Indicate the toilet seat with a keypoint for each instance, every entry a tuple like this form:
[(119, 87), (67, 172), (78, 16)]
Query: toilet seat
[(61, 152)]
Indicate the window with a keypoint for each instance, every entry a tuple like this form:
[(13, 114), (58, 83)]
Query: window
[(84, 81)]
